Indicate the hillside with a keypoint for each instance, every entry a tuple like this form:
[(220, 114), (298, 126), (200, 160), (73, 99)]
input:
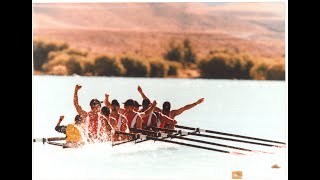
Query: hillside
[(147, 28)]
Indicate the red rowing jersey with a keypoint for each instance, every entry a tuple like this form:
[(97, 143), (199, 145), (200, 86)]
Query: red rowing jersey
[(163, 123), (132, 119), (93, 123)]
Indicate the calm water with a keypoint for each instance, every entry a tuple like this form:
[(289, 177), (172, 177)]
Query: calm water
[(252, 108)]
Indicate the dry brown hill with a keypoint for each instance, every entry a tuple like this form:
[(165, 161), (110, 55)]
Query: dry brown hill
[(147, 28)]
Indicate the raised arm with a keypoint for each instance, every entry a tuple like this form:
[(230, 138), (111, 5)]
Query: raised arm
[(58, 128), (149, 110), (106, 101), (76, 102), (141, 93), (186, 107)]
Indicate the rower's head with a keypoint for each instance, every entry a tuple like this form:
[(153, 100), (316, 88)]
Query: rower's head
[(145, 103), (115, 105), (105, 111), (166, 106), (128, 105), (78, 119), (136, 106), (95, 105)]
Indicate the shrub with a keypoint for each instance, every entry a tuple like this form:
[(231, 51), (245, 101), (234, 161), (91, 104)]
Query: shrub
[(215, 67), (41, 49), (276, 72), (157, 69), (73, 67), (226, 66), (189, 55), (175, 52), (106, 66), (172, 71), (134, 67), (263, 71), (88, 69)]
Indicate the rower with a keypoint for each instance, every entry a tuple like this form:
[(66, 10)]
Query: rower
[(123, 111), (155, 118), (109, 105), (136, 106), (91, 117), (74, 132), (135, 118), (108, 126), (121, 119), (166, 108)]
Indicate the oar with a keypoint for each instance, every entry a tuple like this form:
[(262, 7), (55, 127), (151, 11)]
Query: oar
[(56, 144), (133, 135), (144, 131), (43, 140), (229, 139), (149, 139), (227, 134), (115, 144), (192, 145), (215, 137), (165, 135), (211, 143), (196, 140)]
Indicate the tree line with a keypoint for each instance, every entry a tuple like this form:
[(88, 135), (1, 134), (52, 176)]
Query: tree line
[(58, 58)]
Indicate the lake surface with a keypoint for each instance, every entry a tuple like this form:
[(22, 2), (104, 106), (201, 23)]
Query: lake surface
[(252, 108)]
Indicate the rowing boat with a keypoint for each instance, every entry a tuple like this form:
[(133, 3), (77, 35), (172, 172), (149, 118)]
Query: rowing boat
[(181, 133)]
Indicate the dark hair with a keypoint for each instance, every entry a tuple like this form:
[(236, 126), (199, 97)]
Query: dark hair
[(136, 104), (77, 118), (129, 102), (166, 106), (145, 102), (115, 103), (105, 111), (94, 102)]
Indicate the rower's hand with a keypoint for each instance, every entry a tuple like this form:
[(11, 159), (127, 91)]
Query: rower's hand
[(61, 118), (154, 103), (139, 89), (106, 96), (78, 87), (200, 100)]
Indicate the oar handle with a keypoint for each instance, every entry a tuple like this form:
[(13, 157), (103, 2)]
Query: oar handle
[(43, 140), (133, 135), (147, 132), (163, 129)]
